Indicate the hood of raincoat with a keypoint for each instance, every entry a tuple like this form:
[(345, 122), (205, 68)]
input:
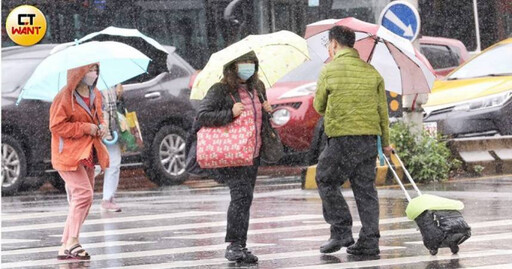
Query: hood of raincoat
[(71, 123)]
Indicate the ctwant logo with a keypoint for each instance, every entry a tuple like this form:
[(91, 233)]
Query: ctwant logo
[(26, 25)]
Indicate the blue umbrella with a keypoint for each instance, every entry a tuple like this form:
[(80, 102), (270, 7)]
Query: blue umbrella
[(118, 63)]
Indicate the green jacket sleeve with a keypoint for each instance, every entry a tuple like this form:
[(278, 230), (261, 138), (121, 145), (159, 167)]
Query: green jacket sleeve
[(383, 113), (320, 103)]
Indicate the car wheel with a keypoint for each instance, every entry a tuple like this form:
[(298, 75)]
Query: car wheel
[(167, 157), (14, 165)]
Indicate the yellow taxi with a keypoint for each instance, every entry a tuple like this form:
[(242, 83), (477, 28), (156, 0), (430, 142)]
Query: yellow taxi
[(476, 98)]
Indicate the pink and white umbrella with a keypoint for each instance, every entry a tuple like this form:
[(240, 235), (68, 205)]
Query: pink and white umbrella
[(404, 69)]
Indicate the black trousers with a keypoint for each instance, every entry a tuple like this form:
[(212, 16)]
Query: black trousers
[(241, 181), (352, 158)]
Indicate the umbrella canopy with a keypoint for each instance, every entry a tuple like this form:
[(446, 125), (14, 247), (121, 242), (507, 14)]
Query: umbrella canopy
[(278, 53), (133, 38), (118, 63), (404, 69)]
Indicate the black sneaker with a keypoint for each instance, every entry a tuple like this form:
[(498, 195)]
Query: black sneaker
[(333, 245), (364, 249), (236, 253)]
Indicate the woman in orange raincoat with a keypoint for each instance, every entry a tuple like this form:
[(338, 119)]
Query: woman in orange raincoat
[(76, 121)]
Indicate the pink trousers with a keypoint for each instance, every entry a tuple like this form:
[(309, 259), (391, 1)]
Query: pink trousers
[(80, 189)]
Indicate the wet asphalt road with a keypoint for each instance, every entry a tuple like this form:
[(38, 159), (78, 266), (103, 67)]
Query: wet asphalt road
[(183, 227)]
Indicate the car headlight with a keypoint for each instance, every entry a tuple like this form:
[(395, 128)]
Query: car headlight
[(485, 102), (281, 116), (303, 90)]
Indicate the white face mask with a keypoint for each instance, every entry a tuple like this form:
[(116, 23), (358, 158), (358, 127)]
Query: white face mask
[(245, 71), (90, 77)]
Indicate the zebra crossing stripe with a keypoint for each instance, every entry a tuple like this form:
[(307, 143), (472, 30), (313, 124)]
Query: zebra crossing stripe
[(188, 226), (261, 257), (408, 260), (281, 230), (63, 210), (16, 217), (112, 220), (496, 266), (127, 255), (384, 233), (17, 241), (484, 224), (85, 245), (477, 238)]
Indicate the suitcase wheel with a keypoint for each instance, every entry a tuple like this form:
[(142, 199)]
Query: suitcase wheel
[(433, 251), (454, 249)]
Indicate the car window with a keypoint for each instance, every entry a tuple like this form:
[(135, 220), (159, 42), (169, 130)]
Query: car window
[(440, 56), (176, 68), (497, 61), (15, 72)]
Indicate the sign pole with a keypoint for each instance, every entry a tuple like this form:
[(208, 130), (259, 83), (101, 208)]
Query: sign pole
[(477, 27), (412, 104)]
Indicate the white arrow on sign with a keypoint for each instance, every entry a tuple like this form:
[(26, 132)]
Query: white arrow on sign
[(394, 19)]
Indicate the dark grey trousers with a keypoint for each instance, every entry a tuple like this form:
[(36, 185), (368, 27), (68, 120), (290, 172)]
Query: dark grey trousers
[(352, 158), (241, 182)]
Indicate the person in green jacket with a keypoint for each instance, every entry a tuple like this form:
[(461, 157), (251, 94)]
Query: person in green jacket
[(351, 97)]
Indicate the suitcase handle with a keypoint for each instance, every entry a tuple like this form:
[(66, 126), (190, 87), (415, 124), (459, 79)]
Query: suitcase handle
[(407, 174), (397, 178)]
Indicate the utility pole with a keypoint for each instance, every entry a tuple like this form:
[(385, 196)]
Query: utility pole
[(477, 27), (412, 104)]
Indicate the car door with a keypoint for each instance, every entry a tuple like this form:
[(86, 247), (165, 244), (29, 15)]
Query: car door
[(28, 121), (145, 98)]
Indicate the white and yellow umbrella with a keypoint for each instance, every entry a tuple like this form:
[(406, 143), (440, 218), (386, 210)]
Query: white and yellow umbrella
[(278, 53)]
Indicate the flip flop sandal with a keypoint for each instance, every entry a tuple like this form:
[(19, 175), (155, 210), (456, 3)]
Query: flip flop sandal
[(63, 257), (76, 254)]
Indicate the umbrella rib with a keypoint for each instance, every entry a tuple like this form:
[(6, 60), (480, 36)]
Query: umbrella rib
[(104, 82), (398, 65), (265, 75), (58, 83), (139, 65), (386, 42)]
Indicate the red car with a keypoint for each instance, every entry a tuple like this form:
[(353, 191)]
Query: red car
[(301, 127), (444, 54)]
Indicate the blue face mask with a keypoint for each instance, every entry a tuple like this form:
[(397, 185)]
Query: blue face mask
[(245, 71)]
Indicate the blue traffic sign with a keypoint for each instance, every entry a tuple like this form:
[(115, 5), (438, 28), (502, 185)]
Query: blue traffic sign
[(402, 19)]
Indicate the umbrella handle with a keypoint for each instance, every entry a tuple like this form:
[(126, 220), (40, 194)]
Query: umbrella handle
[(113, 141)]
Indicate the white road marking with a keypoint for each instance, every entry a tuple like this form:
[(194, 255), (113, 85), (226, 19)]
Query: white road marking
[(17, 241), (496, 266), (112, 220), (395, 232), (261, 257), (281, 229), (408, 260), (188, 226), (85, 245), (127, 255), (477, 238)]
